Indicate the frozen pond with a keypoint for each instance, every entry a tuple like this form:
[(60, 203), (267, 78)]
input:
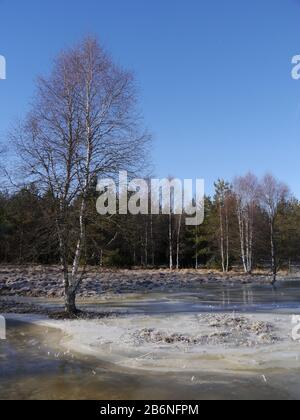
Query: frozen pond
[(32, 368), (211, 298), (35, 365)]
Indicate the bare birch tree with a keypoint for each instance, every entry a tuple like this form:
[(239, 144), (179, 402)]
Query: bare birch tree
[(246, 194), (83, 125), (273, 193)]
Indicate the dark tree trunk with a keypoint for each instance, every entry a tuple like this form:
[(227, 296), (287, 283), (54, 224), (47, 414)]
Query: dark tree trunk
[(152, 242), (70, 302)]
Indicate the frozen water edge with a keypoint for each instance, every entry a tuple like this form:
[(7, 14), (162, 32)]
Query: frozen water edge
[(256, 343)]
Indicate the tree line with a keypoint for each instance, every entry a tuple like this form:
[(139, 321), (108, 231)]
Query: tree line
[(248, 224)]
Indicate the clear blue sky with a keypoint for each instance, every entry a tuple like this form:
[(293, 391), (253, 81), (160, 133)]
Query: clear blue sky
[(214, 75)]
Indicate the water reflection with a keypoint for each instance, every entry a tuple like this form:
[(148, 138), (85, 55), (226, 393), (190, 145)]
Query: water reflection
[(211, 298)]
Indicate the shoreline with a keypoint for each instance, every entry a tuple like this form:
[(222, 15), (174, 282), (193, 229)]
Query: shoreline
[(46, 281)]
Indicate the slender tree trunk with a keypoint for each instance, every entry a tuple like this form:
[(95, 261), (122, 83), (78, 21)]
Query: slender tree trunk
[(197, 261), (242, 238), (249, 243), (152, 242), (81, 239), (142, 254), (146, 244), (227, 240), (170, 243), (222, 239), (273, 254), (246, 241), (251, 230), (70, 306), (178, 242)]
